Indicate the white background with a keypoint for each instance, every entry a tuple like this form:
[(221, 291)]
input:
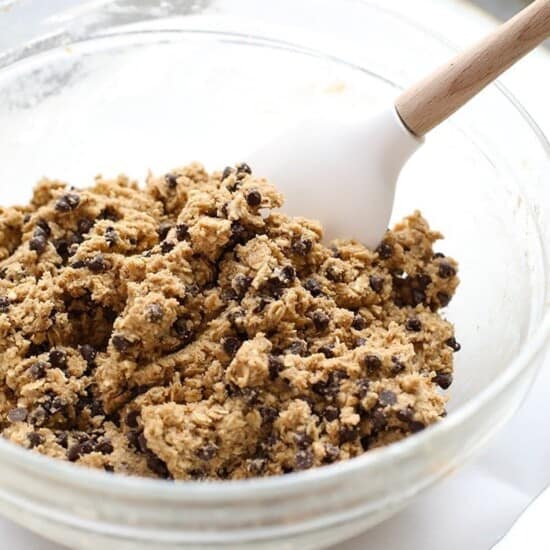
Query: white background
[(476, 506)]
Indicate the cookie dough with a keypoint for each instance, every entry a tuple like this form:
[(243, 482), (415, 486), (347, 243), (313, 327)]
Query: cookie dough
[(190, 330)]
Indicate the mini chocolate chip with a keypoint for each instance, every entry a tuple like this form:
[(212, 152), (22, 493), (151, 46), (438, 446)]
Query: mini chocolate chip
[(418, 296), (35, 439), (313, 287), (366, 442), (84, 225), (275, 366), (171, 180), (38, 417), (363, 386), (105, 447), (108, 214), (413, 324), (320, 319), (58, 358), (227, 171), (387, 397), (372, 362), (301, 246), (163, 230), (231, 345), (331, 413), (241, 284), (243, 168), (97, 264), (73, 453), (359, 322), (38, 244), (19, 414), (416, 426), (397, 365), (304, 460), (269, 414), (79, 264), (132, 419), (384, 250), (67, 202), (62, 439), (303, 441), (111, 237), (298, 347), (288, 274), (207, 452), (332, 453), (254, 198), (443, 298), (121, 343), (438, 255), (158, 466), (446, 270), (348, 433), (38, 369), (452, 343), (376, 283), (166, 246), (42, 228), (154, 313), (182, 231), (378, 419), (406, 414), (4, 304), (334, 274), (88, 353), (180, 327), (326, 351), (443, 380)]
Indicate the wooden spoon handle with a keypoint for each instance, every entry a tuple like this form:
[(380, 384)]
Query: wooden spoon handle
[(430, 101)]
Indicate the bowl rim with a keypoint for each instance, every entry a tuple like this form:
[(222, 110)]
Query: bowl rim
[(251, 489)]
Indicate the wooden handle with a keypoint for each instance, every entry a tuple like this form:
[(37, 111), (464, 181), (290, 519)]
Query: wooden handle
[(436, 97)]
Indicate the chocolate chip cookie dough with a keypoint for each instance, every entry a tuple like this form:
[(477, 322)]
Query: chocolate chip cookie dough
[(189, 331)]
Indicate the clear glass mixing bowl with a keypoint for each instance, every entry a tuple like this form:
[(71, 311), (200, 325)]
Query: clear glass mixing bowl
[(110, 86)]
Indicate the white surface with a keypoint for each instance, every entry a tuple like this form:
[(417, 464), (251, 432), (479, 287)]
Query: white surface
[(476, 506)]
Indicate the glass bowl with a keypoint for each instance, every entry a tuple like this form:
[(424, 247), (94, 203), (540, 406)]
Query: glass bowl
[(126, 85)]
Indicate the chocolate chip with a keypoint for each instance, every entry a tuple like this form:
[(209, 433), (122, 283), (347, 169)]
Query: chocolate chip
[(243, 168), (241, 283), (418, 296), (58, 358), (359, 322), (38, 417), (321, 320), (171, 180), (19, 414), (363, 386), (397, 365), (79, 264), (304, 460), (372, 362), (443, 298), (269, 414), (326, 351), (443, 379), (438, 255), (334, 274), (313, 287), (207, 452), (348, 434), (275, 366), (228, 295), (332, 453), (38, 370), (366, 442), (301, 246), (227, 171), (384, 251), (386, 398), (154, 313), (166, 247), (446, 270), (97, 264), (4, 304), (298, 347), (376, 283), (331, 413), (38, 244), (132, 419), (416, 426), (182, 231), (163, 230), (287, 274), (42, 228), (254, 198), (121, 343), (378, 419), (157, 466), (67, 202), (88, 353), (231, 345), (111, 237), (452, 343), (105, 447), (180, 327), (303, 441), (84, 225), (413, 324), (406, 414), (423, 281), (74, 452), (35, 439)]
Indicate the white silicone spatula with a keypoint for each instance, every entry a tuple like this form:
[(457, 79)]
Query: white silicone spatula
[(339, 174)]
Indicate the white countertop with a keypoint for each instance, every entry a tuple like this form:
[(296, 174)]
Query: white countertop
[(476, 506)]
